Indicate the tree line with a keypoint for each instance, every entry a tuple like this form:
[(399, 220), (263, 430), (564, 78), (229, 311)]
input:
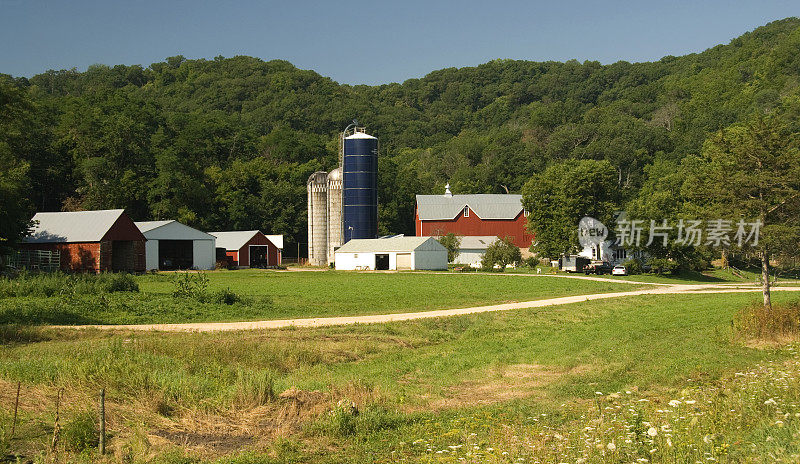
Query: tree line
[(228, 143)]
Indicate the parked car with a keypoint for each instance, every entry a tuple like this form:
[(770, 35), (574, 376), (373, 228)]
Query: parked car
[(619, 270), (598, 268)]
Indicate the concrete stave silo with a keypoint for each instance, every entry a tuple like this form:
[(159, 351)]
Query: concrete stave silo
[(317, 187), (334, 186)]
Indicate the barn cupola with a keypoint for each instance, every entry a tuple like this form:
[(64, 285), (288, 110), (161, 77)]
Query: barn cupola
[(447, 192)]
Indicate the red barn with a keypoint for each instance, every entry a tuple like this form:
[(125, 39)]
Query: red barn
[(473, 215), (248, 248), (96, 241)]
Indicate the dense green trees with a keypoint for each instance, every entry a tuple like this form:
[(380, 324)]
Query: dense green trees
[(564, 193), (16, 123), (225, 143)]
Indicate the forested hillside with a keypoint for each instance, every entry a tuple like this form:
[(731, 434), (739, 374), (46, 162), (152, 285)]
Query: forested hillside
[(228, 143)]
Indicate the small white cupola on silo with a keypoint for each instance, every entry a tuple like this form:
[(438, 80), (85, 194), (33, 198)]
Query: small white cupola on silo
[(447, 192)]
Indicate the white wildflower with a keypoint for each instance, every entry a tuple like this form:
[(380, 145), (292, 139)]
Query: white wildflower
[(652, 431), (611, 447)]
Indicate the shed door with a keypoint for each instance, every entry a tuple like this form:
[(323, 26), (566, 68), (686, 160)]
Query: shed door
[(403, 261), (258, 256)]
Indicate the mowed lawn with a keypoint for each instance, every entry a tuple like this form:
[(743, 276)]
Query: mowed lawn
[(340, 293), (454, 383), (247, 295)]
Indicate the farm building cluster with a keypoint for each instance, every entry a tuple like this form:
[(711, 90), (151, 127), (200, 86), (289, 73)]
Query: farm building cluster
[(108, 240), (343, 218)]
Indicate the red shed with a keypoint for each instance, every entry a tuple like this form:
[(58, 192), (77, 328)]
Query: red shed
[(97, 241), (248, 248), (473, 215)]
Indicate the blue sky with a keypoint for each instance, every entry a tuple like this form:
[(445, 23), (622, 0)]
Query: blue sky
[(367, 42)]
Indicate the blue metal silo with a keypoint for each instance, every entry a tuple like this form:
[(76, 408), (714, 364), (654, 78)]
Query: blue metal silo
[(360, 189)]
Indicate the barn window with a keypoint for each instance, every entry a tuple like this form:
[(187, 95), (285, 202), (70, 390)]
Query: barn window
[(466, 211), (525, 212), (355, 255)]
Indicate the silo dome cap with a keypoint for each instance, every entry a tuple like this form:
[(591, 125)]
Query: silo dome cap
[(359, 135), (336, 174), (317, 177)]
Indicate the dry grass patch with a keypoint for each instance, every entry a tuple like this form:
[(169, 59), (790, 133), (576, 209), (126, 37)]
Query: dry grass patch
[(504, 383)]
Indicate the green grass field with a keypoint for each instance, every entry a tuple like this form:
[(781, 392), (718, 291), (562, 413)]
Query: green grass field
[(516, 386), (283, 295)]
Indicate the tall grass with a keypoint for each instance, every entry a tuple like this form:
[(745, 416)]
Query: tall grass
[(757, 322), (60, 284)]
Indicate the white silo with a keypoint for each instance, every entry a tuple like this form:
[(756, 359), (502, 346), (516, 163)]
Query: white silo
[(334, 212), (317, 187)]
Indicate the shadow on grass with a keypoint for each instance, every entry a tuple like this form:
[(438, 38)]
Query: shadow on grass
[(14, 317), (21, 334)]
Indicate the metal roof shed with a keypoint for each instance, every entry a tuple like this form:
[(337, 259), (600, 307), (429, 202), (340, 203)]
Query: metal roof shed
[(103, 240), (395, 253), (172, 245), (249, 248)]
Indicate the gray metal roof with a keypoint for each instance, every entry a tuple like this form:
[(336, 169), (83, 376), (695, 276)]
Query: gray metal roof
[(73, 226), (485, 206), (145, 226), (477, 242), (171, 230), (401, 244), (234, 240)]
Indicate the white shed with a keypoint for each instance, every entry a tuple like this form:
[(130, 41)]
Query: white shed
[(395, 253), (472, 249), (171, 245)]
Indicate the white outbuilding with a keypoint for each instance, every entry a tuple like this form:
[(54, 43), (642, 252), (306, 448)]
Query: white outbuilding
[(395, 253), (472, 249), (171, 245)]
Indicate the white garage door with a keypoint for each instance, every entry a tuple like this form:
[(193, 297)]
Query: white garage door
[(403, 261)]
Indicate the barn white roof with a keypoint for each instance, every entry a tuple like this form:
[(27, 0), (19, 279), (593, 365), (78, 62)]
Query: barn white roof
[(73, 226), (276, 240), (485, 206), (398, 244), (171, 230)]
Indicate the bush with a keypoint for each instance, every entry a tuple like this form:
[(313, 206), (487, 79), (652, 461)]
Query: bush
[(663, 266), (634, 266), (759, 322), (530, 262), (195, 286), (190, 285), (501, 253), (121, 282), (80, 433)]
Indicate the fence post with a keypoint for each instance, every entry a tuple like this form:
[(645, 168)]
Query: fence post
[(103, 421), (16, 406), (56, 425)]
